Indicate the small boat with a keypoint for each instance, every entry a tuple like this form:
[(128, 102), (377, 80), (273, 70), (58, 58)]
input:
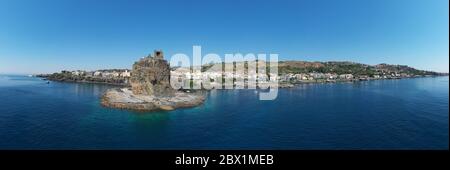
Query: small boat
[(48, 82)]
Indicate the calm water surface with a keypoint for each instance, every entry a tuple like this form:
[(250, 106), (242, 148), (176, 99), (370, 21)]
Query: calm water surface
[(385, 114)]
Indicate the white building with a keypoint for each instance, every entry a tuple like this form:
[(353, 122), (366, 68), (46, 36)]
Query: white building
[(346, 76), (97, 73), (126, 73)]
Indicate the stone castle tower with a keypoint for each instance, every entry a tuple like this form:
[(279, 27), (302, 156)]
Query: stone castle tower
[(158, 54), (151, 76)]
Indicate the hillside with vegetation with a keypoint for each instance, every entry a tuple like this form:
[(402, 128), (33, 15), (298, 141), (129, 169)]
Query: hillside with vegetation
[(338, 67)]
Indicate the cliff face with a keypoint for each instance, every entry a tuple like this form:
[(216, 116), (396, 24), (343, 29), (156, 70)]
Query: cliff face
[(151, 76)]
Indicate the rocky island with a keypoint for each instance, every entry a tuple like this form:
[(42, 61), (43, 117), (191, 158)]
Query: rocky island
[(150, 89)]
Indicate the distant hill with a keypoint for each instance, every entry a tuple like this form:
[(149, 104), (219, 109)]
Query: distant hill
[(346, 67), (342, 67)]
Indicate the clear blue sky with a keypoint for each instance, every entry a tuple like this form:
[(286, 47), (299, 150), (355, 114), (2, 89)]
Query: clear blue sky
[(43, 36)]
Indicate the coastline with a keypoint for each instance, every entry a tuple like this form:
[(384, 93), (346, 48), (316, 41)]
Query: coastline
[(46, 78), (281, 84)]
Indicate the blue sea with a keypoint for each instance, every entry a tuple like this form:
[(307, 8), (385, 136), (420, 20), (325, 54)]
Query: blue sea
[(383, 114)]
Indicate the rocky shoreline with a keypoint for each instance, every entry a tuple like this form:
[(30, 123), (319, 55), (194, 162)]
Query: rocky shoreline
[(71, 79), (123, 98)]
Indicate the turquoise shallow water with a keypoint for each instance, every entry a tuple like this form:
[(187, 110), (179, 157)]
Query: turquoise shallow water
[(385, 114)]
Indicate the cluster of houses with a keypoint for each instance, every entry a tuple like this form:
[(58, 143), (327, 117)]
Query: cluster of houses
[(186, 74), (314, 76), (114, 73), (344, 77), (198, 75)]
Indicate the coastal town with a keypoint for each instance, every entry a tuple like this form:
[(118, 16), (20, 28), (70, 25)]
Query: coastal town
[(291, 73)]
